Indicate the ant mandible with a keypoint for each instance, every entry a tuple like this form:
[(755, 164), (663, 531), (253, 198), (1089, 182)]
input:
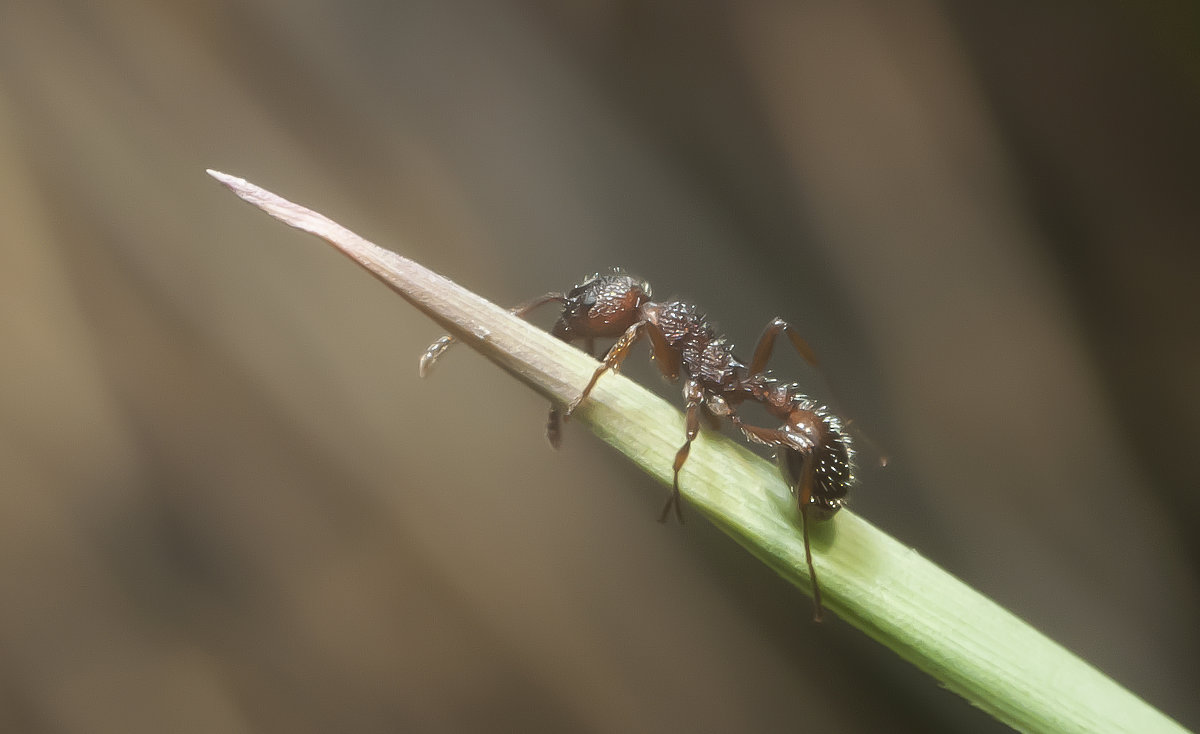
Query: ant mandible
[(813, 450)]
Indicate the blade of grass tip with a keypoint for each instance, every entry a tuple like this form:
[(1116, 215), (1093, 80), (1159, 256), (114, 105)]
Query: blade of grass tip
[(967, 642), (510, 342)]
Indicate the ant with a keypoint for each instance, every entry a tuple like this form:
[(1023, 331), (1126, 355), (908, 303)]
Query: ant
[(813, 449)]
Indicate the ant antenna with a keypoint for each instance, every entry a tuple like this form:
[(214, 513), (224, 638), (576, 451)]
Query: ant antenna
[(870, 442)]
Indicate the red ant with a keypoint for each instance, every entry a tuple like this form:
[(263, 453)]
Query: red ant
[(813, 449)]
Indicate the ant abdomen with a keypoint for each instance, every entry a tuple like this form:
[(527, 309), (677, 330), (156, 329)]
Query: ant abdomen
[(828, 454), (812, 447)]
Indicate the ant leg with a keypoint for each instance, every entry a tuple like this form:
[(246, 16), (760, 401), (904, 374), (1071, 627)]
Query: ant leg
[(554, 426), (800, 486), (693, 428), (666, 357), (762, 354), (804, 497), (766, 344), (766, 436), (554, 421), (616, 355), (439, 347), (434, 351)]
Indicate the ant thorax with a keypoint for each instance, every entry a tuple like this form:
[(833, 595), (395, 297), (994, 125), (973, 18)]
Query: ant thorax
[(702, 353)]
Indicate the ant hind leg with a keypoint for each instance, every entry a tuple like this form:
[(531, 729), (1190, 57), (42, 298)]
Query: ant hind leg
[(804, 497), (766, 344)]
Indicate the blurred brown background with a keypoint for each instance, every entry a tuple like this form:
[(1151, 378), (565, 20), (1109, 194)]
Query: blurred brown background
[(228, 504)]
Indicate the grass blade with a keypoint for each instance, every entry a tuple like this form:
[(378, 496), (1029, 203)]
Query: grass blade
[(964, 640)]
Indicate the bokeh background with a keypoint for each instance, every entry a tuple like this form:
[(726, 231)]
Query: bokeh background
[(227, 503)]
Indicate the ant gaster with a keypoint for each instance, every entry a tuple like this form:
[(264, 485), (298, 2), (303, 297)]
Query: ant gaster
[(812, 447)]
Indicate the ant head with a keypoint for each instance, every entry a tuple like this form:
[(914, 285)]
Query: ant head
[(604, 305)]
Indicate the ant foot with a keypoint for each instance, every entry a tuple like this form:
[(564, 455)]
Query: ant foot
[(675, 500), (571, 408)]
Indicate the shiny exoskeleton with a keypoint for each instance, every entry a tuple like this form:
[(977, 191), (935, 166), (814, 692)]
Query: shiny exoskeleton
[(812, 447)]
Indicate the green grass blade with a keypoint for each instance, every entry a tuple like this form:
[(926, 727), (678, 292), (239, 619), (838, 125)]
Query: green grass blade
[(964, 640)]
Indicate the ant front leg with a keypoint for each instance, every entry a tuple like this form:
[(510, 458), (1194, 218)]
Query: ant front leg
[(694, 395), (612, 361), (439, 347), (766, 344), (554, 420)]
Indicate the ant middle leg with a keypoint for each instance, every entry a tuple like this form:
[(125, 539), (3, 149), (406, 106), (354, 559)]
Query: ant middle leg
[(693, 428)]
